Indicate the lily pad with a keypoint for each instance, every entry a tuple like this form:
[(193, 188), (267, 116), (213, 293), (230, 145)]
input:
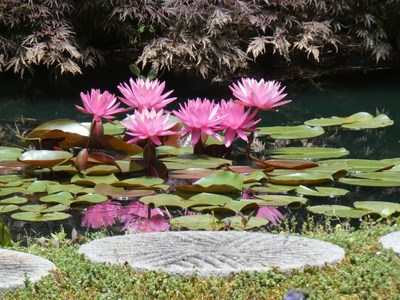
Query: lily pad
[(302, 178), (141, 182), (12, 191), (64, 198), (223, 182), (38, 217), (337, 121), (10, 153), (280, 200), (120, 193), (307, 152), (82, 179), (45, 158), (379, 121), (14, 200), (8, 208), (43, 208), (382, 208), (361, 165), (291, 132), (339, 211), (237, 223), (194, 161), (197, 222), (320, 191), (273, 189), (285, 164), (370, 182)]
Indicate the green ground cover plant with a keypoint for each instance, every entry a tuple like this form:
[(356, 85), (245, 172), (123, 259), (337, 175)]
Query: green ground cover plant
[(367, 272)]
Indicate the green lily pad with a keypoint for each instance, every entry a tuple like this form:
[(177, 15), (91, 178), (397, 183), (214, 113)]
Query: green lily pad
[(339, 211), (379, 121), (273, 189), (43, 208), (141, 182), (280, 200), (291, 132), (382, 208), (91, 198), (388, 176), (302, 178), (82, 179), (170, 150), (194, 161), (45, 158), (361, 165), (101, 170), (223, 182), (64, 198), (307, 152), (370, 182), (197, 222), (14, 200), (38, 217), (108, 128), (237, 222), (320, 191), (120, 193), (11, 191), (336, 121), (15, 183), (255, 176), (166, 200), (8, 208), (10, 153), (193, 173), (37, 186)]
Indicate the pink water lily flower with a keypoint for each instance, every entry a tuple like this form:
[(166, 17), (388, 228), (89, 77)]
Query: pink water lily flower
[(261, 94), (236, 121), (200, 116), (146, 93), (100, 105), (270, 213), (148, 124)]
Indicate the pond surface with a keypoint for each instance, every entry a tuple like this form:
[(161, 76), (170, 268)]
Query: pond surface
[(374, 92)]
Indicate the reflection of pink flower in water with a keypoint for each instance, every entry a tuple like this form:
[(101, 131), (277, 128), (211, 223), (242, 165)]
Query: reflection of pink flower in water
[(101, 215), (139, 218), (270, 213)]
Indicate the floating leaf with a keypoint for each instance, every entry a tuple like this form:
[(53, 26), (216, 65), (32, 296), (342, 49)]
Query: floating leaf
[(166, 200), (382, 208), (370, 182), (101, 170), (82, 179), (194, 161), (14, 200), (120, 193), (37, 186), (387, 176), (255, 176), (273, 189), (302, 178), (307, 152), (338, 211), (237, 222), (38, 217), (193, 173), (145, 181), (197, 222), (10, 153), (336, 121), (90, 198), (291, 132), (223, 182), (71, 188), (8, 208), (43, 208), (45, 158), (64, 198), (320, 191), (379, 121), (10, 191), (285, 164), (361, 165), (279, 200)]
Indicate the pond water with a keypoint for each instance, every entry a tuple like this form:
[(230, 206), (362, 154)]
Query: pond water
[(325, 97)]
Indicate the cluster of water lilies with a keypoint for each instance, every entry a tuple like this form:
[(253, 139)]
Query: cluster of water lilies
[(201, 117)]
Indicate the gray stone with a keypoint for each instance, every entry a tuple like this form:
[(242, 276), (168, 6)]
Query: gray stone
[(211, 253), (16, 267), (391, 240)]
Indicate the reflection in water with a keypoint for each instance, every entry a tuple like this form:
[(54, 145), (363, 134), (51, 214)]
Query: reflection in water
[(136, 217)]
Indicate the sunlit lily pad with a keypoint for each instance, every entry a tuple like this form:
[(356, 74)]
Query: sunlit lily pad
[(170, 150), (320, 191), (37, 186), (120, 193), (337, 121), (71, 188), (379, 121), (307, 152), (291, 132), (382, 208), (8, 208), (108, 128), (12, 191), (14, 200), (10, 153), (339, 211), (280, 200), (45, 158), (43, 208), (193, 173), (82, 179), (370, 182), (166, 200), (101, 170), (223, 182), (273, 189), (141, 182), (237, 223), (39, 217), (194, 161), (197, 222), (302, 178), (361, 165), (64, 198), (388, 176)]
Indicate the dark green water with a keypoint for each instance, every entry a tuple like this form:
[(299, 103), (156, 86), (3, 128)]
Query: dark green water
[(329, 96)]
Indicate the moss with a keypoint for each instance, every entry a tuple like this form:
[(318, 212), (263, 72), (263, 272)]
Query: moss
[(367, 272)]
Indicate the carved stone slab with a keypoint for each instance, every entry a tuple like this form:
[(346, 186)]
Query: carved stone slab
[(206, 253), (391, 240), (14, 266)]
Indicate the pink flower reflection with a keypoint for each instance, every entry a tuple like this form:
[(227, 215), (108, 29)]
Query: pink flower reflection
[(140, 218), (101, 215), (270, 213)]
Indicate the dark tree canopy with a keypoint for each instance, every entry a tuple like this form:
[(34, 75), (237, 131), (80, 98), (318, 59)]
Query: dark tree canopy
[(213, 39)]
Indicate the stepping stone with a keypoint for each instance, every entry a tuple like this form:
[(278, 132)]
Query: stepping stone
[(391, 240), (212, 253), (16, 266)]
